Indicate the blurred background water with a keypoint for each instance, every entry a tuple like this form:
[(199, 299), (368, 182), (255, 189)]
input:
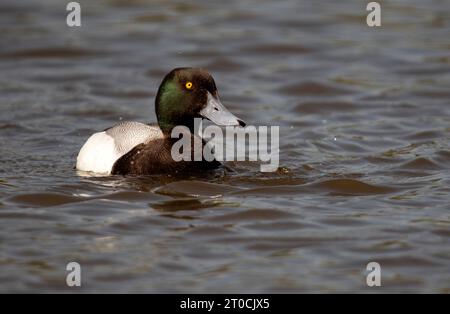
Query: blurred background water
[(364, 146)]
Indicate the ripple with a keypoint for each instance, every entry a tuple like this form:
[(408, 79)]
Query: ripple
[(275, 49), (269, 191), (425, 135), (185, 204), (312, 107), (51, 52), (195, 189), (350, 187), (343, 221), (209, 231), (421, 163), (252, 215), (26, 216), (442, 156), (223, 65), (128, 196), (406, 261), (43, 199), (312, 88)]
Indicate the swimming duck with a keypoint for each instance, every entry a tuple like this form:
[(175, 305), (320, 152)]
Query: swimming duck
[(140, 149)]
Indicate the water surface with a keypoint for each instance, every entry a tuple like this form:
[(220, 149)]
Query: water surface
[(364, 123)]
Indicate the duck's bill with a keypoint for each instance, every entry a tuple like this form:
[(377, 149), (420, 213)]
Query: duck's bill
[(217, 113)]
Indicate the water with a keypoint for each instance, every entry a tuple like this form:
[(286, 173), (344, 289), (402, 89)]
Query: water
[(364, 165)]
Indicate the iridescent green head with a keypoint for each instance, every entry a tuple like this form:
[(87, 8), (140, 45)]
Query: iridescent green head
[(188, 93)]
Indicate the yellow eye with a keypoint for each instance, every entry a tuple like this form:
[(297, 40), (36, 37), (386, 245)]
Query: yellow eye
[(188, 85)]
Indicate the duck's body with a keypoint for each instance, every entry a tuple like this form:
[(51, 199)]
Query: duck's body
[(155, 157), (138, 148)]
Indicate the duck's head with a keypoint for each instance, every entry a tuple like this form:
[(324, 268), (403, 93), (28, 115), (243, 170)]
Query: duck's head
[(188, 93)]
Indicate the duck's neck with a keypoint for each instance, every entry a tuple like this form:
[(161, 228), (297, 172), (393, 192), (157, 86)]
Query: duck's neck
[(167, 128)]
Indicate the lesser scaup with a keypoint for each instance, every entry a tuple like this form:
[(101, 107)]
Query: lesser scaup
[(138, 148)]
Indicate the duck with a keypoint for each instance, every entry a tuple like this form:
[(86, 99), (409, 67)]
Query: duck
[(135, 148)]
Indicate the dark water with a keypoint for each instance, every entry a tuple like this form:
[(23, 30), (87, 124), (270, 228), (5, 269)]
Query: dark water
[(365, 155)]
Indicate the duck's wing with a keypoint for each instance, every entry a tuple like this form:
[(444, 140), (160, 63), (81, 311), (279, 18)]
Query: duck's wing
[(129, 134), (103, 149)]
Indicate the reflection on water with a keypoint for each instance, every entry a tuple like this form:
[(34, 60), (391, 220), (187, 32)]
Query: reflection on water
[(364, 140)]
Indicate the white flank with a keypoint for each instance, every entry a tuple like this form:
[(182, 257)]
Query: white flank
[(98, 154)]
